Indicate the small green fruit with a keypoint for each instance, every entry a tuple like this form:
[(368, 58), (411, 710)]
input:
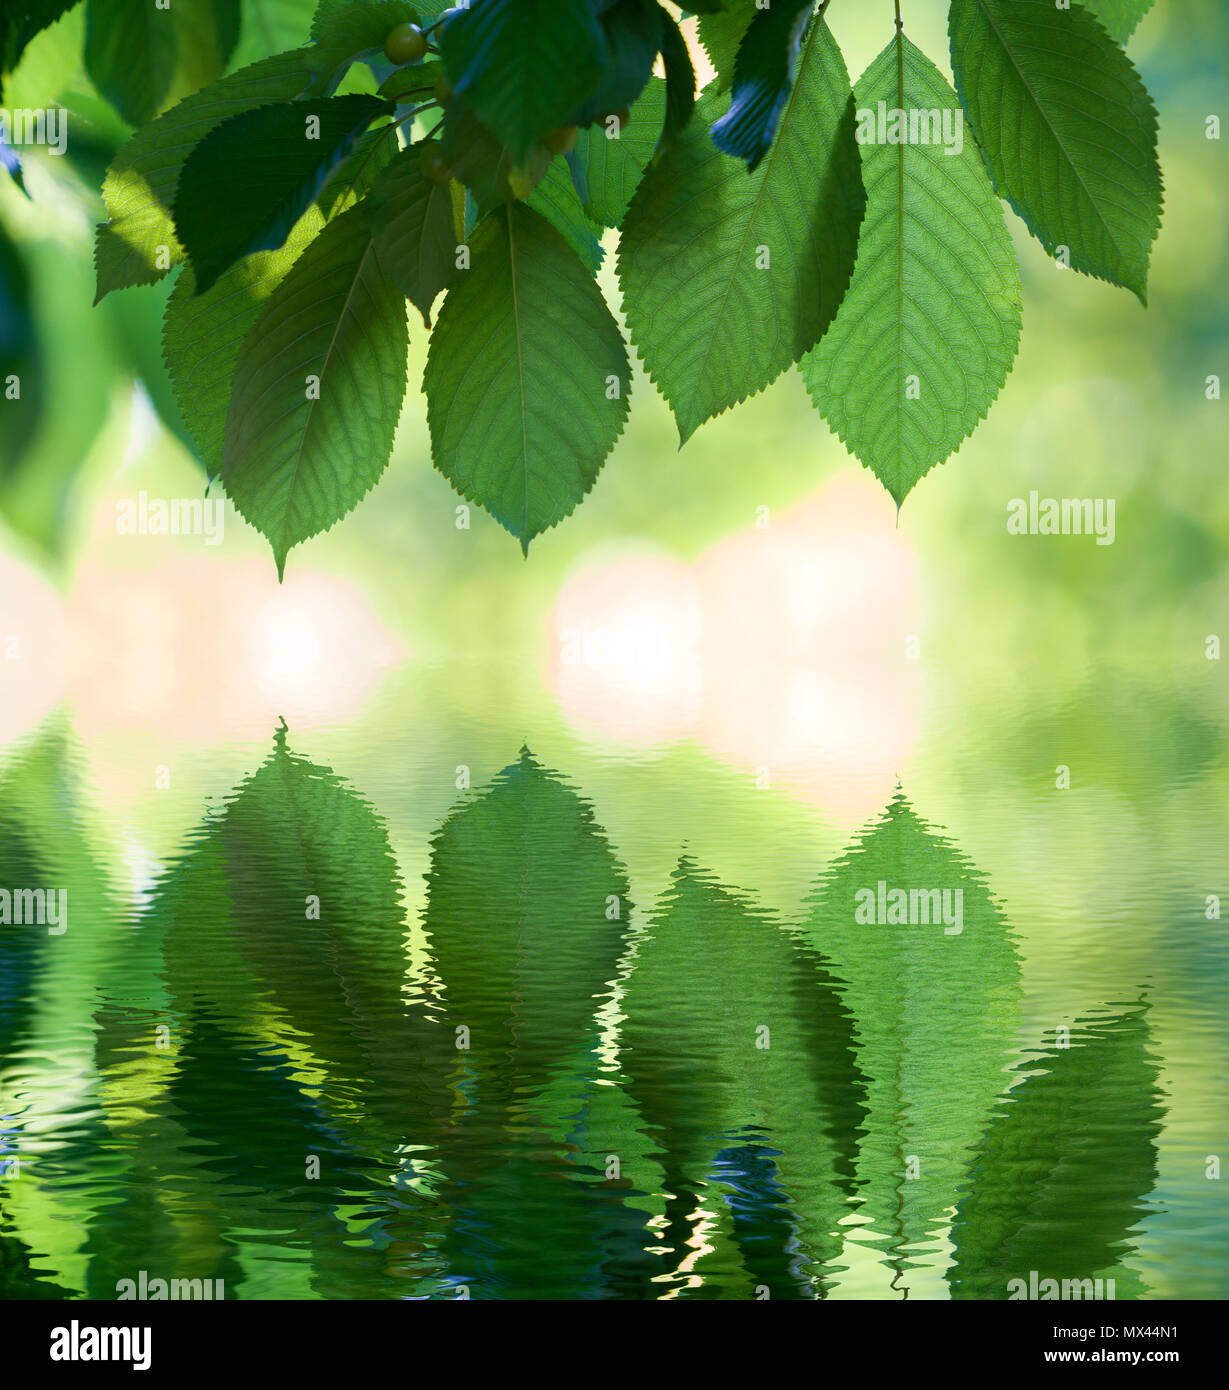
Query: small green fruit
[(405, 44)]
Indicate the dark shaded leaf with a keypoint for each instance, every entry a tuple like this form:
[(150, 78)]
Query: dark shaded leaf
[(250, 180), (412, 225), (763, 75)]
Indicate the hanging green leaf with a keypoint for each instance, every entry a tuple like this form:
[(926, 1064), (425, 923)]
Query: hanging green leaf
[(203, 335), (721, 32), (556, 199), (927, 334), (252, 177), (1067, 128), (612, 164), (143, 56), (318, 390), (486, 167), (729, 277), (1120, 17), (527, 377), (138, 245), (523, 65), (763, 74), (680, 82), (358, 173), (412, 224), (632, 30)]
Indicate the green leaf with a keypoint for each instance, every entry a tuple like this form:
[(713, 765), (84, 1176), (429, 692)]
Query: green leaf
[(721, 32), (763, 74), (272, 26), (16, 30), (729, 277), (632, 30), (523, 65), (486, 167), (523, 360), (138, 245), (412, 225), (345, 30), (1120, 17), (1067, 128), (1067, 1165), (613, 165), (411, 84), (556, 199), (203, 335), (935, 299), (357, 174), (143, 58), (680, 81), (251, 178), (318, 390)]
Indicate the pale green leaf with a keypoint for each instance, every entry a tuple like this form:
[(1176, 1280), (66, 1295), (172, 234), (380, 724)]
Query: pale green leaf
[(729, 277), (556, 199), (318, 390), (1067, 128), (928, 331), (203, 335), (527, 377), (613, 165)]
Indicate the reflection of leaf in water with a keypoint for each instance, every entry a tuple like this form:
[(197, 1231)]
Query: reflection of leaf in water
[(248, 1133), (775, 1128), (527, 919), (18, 1279), (48, 989), (23, 949), (292, 836), (934, 1018), (44, 845), (1066, 1165), (522, 892)]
